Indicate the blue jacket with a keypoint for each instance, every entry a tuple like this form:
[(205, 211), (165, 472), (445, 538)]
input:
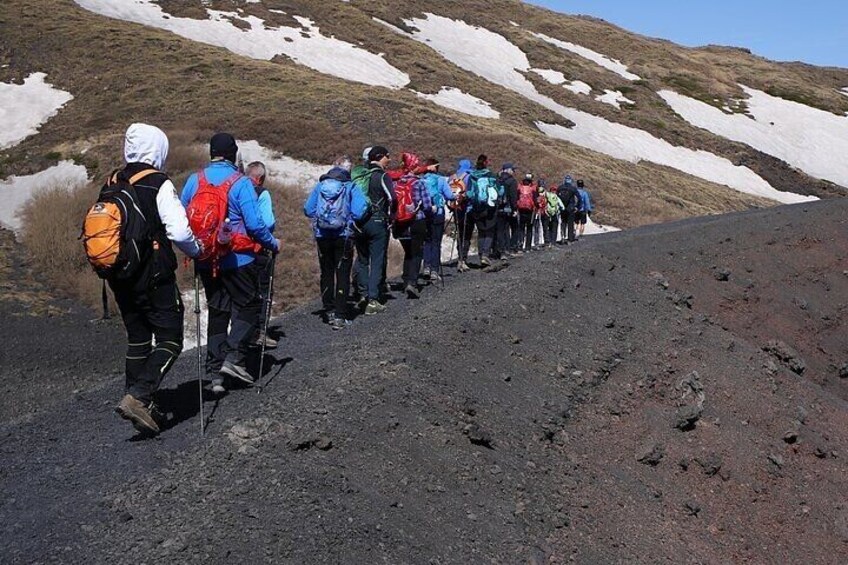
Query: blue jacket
[(243, 211), (585, 200), (463, 171), (331, 186), (436, 184), (266, 209)]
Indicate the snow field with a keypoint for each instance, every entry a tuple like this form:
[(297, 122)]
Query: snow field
[(455, 99), (25, 107), (15, 191), (281, 168), (614, 98), (578, 87), (803, 136), (613, 65), (314, 50)]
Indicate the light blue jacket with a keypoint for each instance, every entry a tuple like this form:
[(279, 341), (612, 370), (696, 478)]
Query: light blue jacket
[(442, 185), (243, 211), (331, 186), (266, 209)]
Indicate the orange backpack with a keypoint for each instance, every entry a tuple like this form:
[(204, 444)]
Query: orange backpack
[(115, 233)]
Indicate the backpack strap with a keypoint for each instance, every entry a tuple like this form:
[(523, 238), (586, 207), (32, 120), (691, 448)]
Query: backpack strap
[(143, 174)]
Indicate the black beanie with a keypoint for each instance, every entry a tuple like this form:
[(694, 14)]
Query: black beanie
[(377, 152), (223, 145)]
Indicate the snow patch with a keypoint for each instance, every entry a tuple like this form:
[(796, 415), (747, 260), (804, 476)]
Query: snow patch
[(844, 91), (513, 24), (578, 87), (553, 77), (613, 65), (614, 98), (15, 191), (593, 229), (323, 54), (634, 145), (455, 99), (810, 139), (25, 107), (392, 27), (281, 168)]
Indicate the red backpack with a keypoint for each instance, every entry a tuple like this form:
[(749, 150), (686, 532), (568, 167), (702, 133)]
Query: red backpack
[(207, 212), (406, 206), (526, 197)]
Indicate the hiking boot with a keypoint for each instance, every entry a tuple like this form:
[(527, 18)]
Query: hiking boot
[(236, 372), (463, 267), (339, 323), (484, 261), (270, 343), (374, 307), (412, 292), (426, 273), (434, 276), (218, 385), (132, 409)]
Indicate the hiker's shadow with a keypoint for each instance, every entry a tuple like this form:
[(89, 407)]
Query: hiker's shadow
[(176, 405)]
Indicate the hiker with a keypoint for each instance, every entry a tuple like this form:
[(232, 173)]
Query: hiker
[(462, 212), (440, 193), (257, 174), (229, 271), (413, 210), (567, 192), (507, 217), (483, 196), (584, 212), (539, 229), (552, 212), (526, 205), (372, 238), (148, 298), (334, 205)]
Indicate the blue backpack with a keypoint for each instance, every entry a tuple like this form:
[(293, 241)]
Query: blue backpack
[(431, 181), (333, 214), (482, 192)]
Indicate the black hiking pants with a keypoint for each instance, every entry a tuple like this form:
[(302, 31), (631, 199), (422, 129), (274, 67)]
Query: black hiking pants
[(464, 232), (264, 262), (234, 306), (335, 257), (486, 221), (568, 225), (157, 312), (550, 224), (524, 238), (372, 246), (413, 251)]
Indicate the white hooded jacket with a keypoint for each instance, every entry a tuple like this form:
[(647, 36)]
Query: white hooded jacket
[(149, 144)]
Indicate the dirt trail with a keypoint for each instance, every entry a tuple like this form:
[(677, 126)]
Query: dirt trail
[(608, 402)]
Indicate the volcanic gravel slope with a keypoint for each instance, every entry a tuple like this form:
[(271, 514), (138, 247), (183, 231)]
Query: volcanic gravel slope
[(607, 402)]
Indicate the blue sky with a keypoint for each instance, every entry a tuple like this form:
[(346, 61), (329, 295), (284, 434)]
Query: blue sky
[(813, 31)]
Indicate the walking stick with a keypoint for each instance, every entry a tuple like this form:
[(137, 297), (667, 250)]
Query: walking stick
[(268, 301), (199, 351)]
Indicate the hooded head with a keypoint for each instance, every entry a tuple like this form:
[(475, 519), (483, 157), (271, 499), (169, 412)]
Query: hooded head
[(568, 180), (463, 167), (410, 162), (146, 144), (223, 145)]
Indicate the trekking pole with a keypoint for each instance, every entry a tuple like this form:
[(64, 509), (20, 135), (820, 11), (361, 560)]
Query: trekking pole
[(104, 297), (199, 351), (268, 301)]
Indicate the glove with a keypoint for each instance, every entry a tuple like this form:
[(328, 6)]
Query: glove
[(279, 246)]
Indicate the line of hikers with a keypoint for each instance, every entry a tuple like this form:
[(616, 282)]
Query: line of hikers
[(224, 220)]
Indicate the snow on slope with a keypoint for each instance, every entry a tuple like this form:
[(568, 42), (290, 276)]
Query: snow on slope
[(553, 77), (578, 87), (810, 139), (494, 58), (323, 54), (844, 91), (614, 98), (24, 107), (281, 168), (15, 191), (455, 99), (635, 145), (613, 65)]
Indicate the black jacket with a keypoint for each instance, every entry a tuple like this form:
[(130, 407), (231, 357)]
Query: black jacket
[(381, 192), (569, 196), (510, 192)]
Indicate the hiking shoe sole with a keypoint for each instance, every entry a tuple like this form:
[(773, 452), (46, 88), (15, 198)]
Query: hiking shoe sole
[(237, 372)]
